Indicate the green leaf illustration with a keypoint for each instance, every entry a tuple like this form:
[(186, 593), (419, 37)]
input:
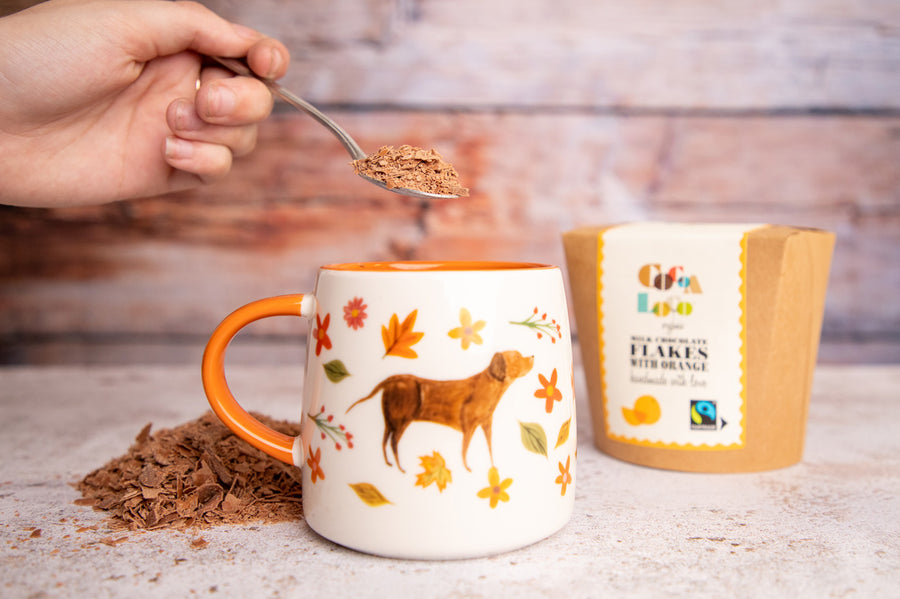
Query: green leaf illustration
[(563, 433), (533, 437), (335, 371), (369, 494)]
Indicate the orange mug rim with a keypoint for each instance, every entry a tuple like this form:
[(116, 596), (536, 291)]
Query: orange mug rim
[(435, 266)]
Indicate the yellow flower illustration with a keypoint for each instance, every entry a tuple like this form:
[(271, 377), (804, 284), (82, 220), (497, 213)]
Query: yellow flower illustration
[(468, 331), (496, 491)]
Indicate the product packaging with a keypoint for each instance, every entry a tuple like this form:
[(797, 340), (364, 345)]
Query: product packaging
[(699, 341)]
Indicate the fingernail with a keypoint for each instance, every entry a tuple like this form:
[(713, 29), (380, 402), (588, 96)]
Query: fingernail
[(185, 116), (220, 100), (178, 149), (274, 63)]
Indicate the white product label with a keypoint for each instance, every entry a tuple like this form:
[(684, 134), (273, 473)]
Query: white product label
[(671, 314)]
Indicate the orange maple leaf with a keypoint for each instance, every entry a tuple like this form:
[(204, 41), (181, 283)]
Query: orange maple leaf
[(435, 471), (398, 338)]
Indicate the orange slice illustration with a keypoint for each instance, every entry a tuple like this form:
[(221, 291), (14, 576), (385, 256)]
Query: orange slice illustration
[(645, 411)]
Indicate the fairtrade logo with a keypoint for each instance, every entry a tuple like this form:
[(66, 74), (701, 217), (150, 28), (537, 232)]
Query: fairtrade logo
[(668, 290), (645, 411), (704, 415)]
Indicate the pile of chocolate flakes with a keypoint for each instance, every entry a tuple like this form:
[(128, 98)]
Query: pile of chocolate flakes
[(196, 475), (412, 168)]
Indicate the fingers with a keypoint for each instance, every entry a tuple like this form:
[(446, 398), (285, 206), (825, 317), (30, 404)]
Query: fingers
[(209, 161), (268, 58), (186, 124), (202, 148), (219, 125), (226, 100)]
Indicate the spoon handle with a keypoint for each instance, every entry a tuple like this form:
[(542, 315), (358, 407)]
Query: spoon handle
[(239, 67)]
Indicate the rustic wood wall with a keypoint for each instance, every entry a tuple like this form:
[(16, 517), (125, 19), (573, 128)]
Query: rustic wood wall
[(556, 113)]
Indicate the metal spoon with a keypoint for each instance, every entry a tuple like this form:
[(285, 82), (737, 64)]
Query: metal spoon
[(239, 67)]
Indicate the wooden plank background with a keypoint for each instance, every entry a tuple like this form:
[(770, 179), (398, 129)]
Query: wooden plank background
[(555, 113)]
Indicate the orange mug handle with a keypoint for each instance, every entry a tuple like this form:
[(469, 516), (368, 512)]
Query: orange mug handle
[(278, 445)]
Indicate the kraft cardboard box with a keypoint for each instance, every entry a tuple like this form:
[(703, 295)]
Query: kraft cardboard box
[(699, 341)]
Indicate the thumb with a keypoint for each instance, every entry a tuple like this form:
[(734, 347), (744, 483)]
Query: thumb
[(173, 27)]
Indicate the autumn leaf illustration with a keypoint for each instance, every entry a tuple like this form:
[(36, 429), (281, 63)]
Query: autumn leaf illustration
[(335, 371), (398, 338), (435, 472), (533, 437), (369, 493), (563, 433)]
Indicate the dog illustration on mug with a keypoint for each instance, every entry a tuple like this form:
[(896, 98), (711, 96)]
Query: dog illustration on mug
[(463, 404)]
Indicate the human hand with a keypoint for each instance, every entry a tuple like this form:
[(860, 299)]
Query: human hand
[(99, 99)]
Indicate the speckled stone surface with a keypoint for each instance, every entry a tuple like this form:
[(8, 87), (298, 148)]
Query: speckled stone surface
[(828, 527)]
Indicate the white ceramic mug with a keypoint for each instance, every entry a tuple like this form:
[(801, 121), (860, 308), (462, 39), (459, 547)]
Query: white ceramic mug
[(438, 408)]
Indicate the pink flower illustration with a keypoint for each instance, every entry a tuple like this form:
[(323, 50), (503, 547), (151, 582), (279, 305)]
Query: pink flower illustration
[(355, 313)]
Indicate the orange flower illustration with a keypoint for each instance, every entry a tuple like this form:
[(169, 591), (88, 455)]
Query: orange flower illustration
[(496, 489), (355, 313), (564, 477), (548, 390), (315, 468), (321, 334), (467, 331)]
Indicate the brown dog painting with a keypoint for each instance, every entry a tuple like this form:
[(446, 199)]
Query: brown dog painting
[(463, 404)]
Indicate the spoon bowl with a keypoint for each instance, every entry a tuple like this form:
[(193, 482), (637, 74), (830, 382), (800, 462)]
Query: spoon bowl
[(239, 67)]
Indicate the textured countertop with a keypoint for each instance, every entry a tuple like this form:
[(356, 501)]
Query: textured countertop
[(828, 527)]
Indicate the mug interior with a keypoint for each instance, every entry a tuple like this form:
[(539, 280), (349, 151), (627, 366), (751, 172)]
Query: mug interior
[(419, 266)]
